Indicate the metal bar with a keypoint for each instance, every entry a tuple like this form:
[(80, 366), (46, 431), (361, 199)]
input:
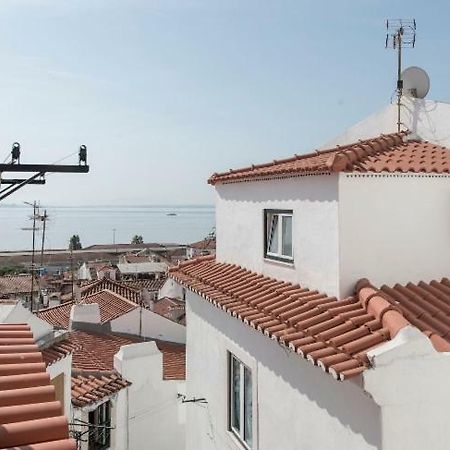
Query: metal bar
[(18, 186), (42, 168), (20, 180)]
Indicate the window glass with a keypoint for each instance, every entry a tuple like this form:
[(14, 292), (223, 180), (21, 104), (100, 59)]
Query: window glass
[(287, 236), (272, 246), (236, 395), (247, 406)]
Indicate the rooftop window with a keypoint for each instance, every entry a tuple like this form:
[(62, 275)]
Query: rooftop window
[(278, 235)]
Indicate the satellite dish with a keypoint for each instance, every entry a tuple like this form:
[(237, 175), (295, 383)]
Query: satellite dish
[(416, 82)]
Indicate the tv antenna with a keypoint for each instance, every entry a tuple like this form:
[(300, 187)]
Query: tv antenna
[(401, 33)]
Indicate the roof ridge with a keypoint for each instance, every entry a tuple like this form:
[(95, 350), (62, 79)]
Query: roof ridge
[(376, 304), (338, 149), (354, 153)]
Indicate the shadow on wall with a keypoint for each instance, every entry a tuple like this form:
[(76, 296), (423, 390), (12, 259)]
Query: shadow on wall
[(428, 118), (345, 401), (313, 188)]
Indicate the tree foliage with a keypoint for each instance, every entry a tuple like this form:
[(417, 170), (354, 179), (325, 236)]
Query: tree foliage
[(137, 239), (75, 243)]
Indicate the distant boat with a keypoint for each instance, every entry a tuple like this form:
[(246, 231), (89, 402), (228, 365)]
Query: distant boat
[(171, 214)]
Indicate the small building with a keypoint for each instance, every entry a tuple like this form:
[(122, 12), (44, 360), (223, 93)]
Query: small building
[(118, 384), (19, 287), (142, 270), (204, 247), (322, 319)]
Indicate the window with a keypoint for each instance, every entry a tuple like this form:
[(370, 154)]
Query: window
[(100, 434), (240, 401), (278, 235)]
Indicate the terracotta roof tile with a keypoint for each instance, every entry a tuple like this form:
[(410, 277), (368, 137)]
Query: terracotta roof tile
[(93, 388), (150, 285), (386, 153), (93, 356), (426, 306), (123, 289), (112, 306), (30, 416), (333, 334), (11, 285)]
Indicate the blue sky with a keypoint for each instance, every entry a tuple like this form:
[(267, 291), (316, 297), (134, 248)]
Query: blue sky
[(164, 93)]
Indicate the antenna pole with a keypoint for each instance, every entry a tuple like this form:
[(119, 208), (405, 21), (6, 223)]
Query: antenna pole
[(399, 78), (400, 33)]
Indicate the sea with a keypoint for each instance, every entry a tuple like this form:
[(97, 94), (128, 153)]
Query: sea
[(104, 225)]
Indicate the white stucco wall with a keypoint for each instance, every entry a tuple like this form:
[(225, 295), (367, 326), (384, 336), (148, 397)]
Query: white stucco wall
[(19, 314), (240, 228), (410, 384), (393, 228), (152, 326), (297, 407), (156, 416), (427, 118), (63, 366), (171, 289)]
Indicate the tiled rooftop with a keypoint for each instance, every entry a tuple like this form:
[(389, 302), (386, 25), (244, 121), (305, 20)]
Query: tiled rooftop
[(333, 334), (386, 153), (170, 308), (123, 289), (93, 388), (150, 285), (16, 284), (424, 305), (93, 362), (111, 306), (30, 416)]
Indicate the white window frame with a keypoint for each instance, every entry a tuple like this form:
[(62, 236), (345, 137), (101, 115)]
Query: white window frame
[(268, 217), (240, 434)]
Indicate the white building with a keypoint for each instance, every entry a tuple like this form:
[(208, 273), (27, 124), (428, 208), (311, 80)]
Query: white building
[(120, 392), (360, 367)]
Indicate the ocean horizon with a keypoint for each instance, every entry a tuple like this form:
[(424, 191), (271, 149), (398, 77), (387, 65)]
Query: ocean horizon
[(95, 224)]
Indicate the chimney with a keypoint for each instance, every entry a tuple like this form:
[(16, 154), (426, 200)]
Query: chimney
[(84, 317)]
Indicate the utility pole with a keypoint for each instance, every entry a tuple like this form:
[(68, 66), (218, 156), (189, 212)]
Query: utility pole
[(71, 269), (34, 205), (44, 219), (15, 166)]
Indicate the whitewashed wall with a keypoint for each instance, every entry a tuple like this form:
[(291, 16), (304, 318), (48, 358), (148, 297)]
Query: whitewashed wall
[(427, 118), (171, 289), (19, 314), (410, 384), (152, 326), (393, 228), (240, 228), (63, 366), (296, 405), (156, 416)]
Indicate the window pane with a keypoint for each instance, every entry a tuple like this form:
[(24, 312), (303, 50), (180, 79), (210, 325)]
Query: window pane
[(235, 395), (272, 245), (248, 406), (287, 236)]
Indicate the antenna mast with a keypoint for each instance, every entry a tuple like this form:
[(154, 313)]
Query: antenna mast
[(401, 33)]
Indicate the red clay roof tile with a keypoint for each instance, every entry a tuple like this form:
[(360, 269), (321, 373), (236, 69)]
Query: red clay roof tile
[(111, 304), (93, 362), (385, 153), (30, 416), (334, 334)]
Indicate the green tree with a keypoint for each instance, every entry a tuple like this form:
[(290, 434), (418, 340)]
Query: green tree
[(137, 239), (75, 243)]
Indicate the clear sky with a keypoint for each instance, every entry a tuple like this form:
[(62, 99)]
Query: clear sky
[(165, 92)]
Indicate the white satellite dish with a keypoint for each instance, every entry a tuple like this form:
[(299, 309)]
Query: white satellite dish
[(416, 82)]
